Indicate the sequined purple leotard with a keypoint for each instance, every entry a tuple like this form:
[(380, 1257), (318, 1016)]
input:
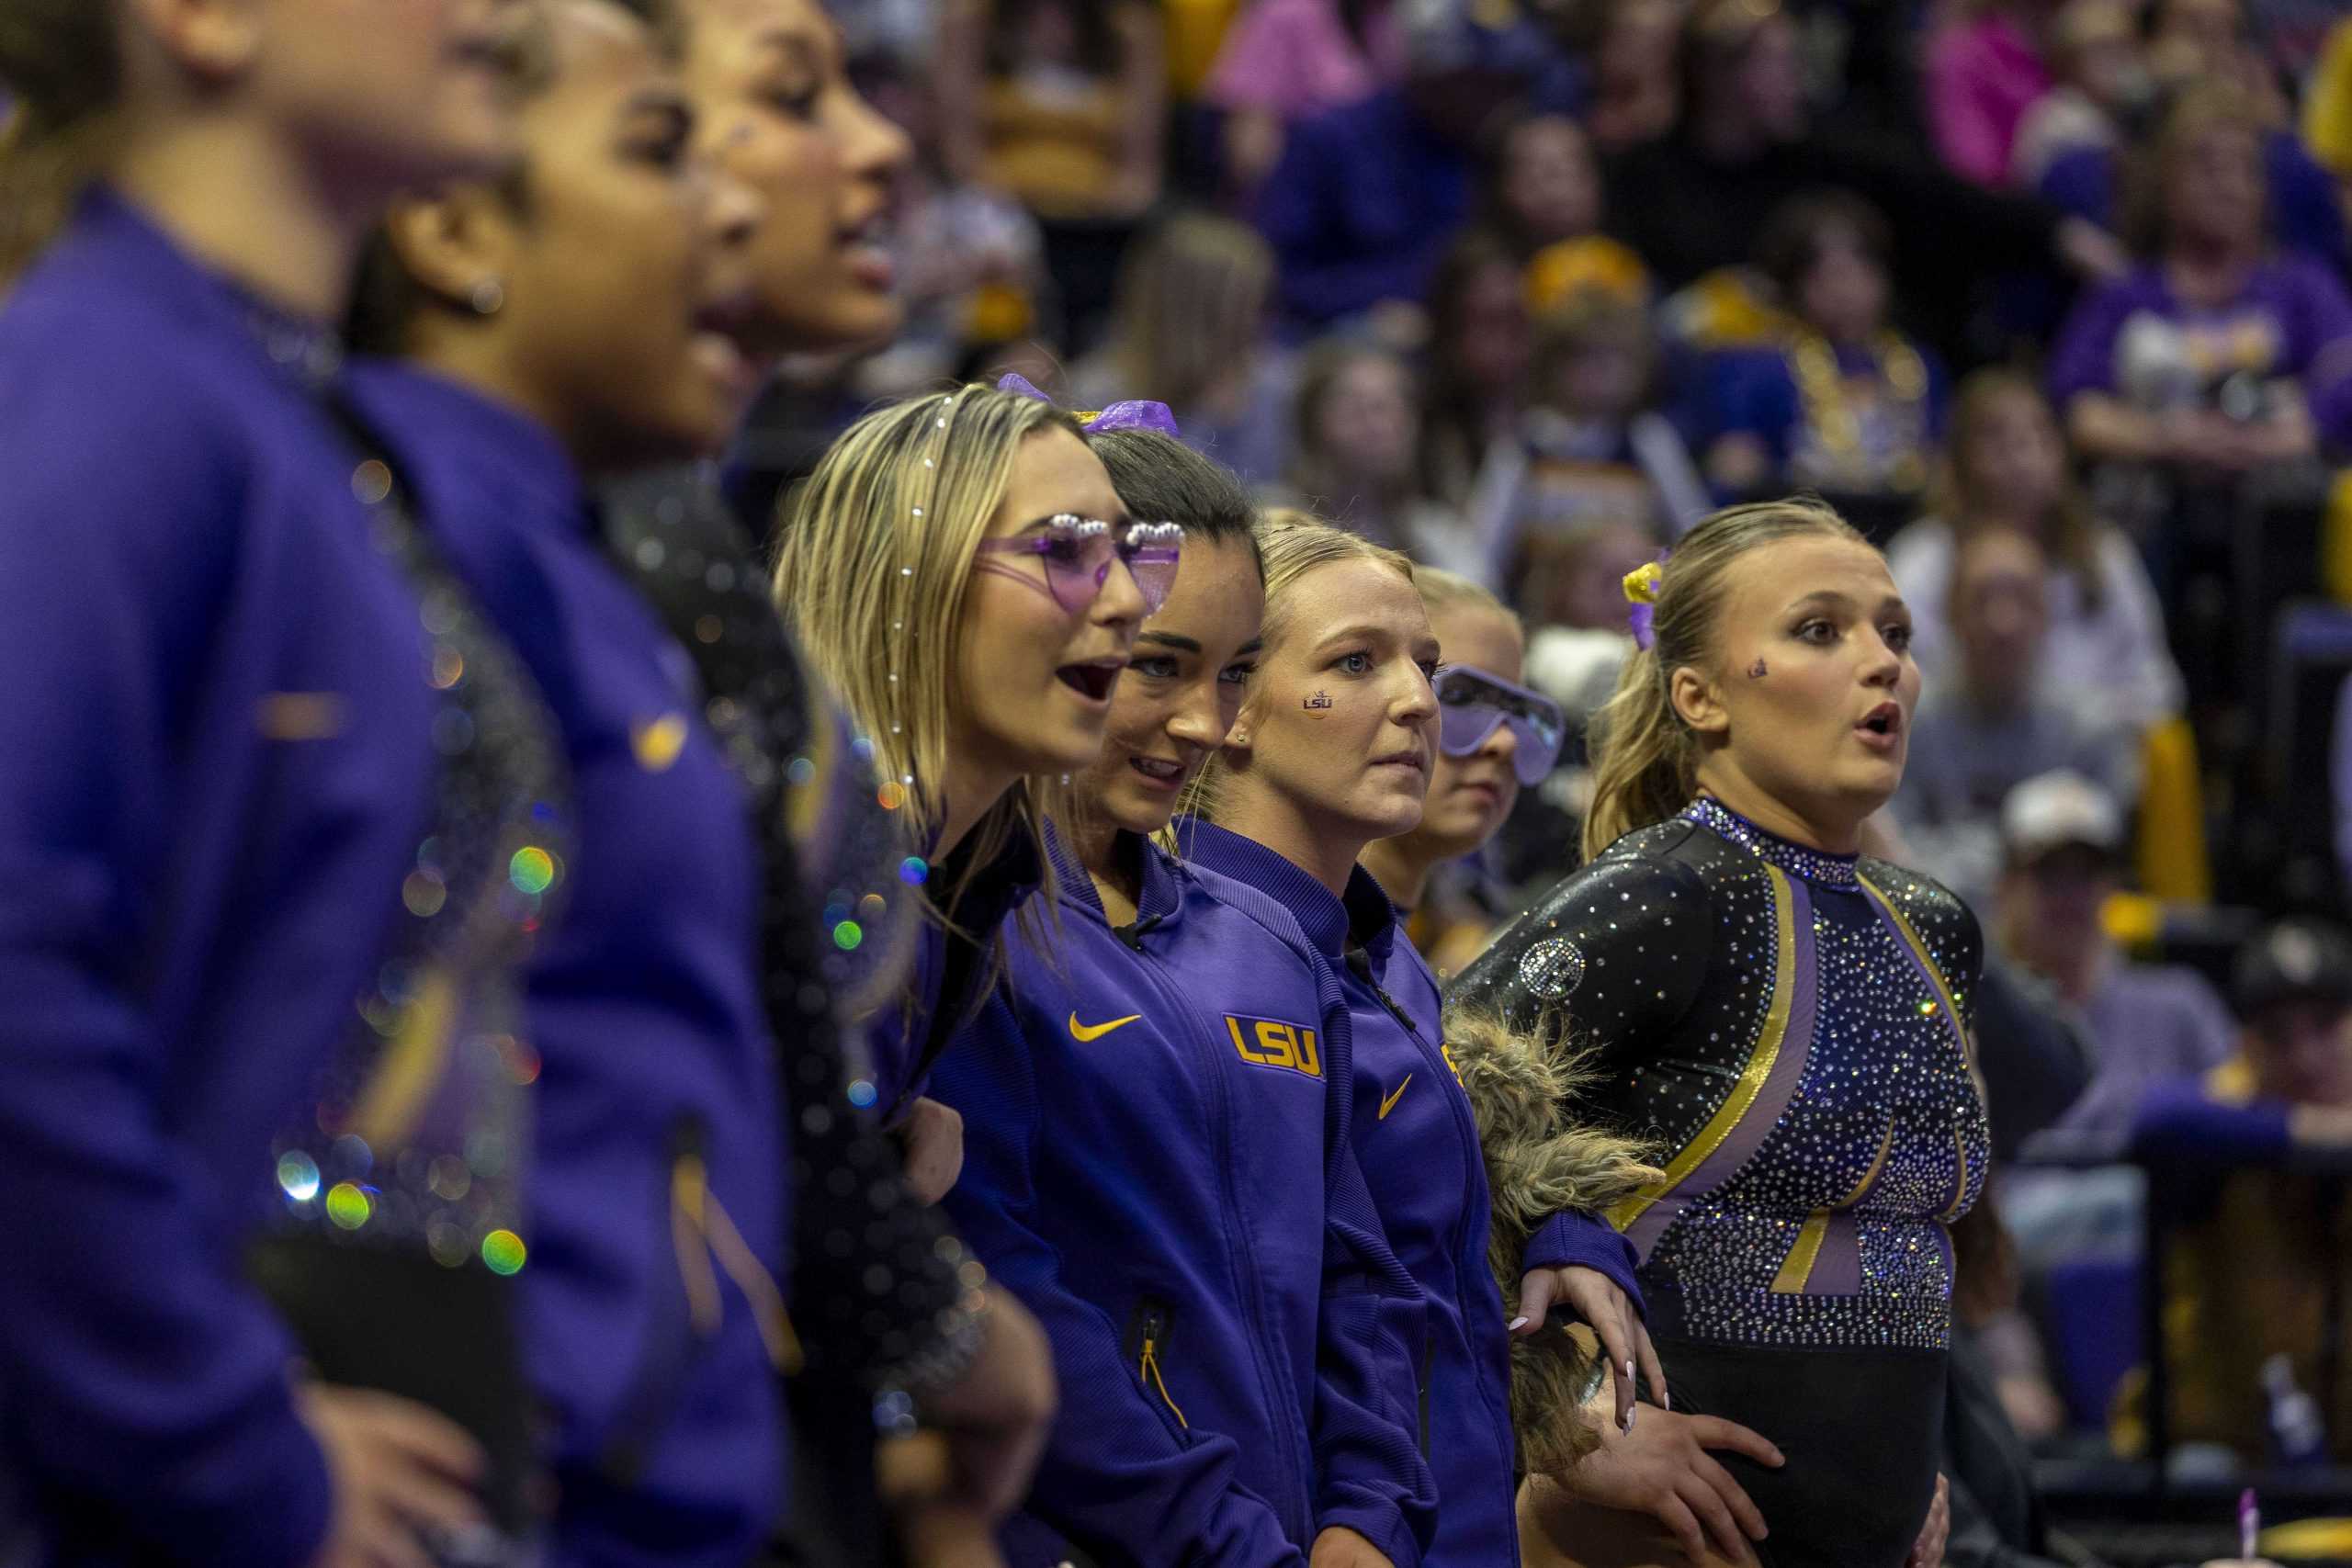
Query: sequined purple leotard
[(1788, 1029)]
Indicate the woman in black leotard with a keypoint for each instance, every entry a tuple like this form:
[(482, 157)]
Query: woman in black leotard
[(1785, 1022)]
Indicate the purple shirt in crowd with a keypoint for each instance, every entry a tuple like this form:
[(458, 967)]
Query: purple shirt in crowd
[(2136, 341)]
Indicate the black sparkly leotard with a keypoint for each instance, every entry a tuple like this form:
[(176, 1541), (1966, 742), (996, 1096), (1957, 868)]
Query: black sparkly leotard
[(1788, 1029)]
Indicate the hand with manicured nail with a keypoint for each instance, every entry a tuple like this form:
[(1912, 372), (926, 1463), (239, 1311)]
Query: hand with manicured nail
[(1593, 1297)]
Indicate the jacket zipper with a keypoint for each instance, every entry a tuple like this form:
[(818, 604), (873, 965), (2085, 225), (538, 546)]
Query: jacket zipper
[(1150, 1332), (1273, 1379), (1359, 963), (680, 1316), (704, 1243), (1429, 1354)]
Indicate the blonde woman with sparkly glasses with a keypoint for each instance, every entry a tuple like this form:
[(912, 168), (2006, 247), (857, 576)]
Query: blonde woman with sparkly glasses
[(960, 568)]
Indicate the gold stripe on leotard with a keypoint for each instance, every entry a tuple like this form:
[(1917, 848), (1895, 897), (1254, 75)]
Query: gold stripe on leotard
[(1751, 1077), (1796, 1268), (1935, 974), (1885, 1147), (1960, 1188)]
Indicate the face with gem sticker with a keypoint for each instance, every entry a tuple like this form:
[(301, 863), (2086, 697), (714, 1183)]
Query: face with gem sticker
[(1320, 783), (1816, 743)]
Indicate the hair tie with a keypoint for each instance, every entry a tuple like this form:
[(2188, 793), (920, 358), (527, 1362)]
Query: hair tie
[(1135, 413), (1642, 585)]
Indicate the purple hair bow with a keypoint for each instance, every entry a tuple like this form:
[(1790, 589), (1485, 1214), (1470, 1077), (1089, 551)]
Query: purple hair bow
[(1134, 413)]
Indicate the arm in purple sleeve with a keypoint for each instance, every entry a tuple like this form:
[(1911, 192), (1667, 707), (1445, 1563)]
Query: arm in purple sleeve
[(2324, 353), (2083, 359), (1573, 1239), (153, 1384), (2176, 1121)]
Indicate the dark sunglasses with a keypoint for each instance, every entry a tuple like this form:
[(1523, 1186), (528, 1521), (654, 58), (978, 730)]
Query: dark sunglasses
[(1471, 703), (1078, 553)]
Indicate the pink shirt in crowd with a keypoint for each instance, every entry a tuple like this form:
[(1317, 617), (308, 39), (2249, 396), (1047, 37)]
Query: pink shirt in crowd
[(1982, 77), (1295, 57)]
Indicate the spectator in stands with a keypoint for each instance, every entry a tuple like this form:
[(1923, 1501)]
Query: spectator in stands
[(1284, 60), (2005, 468), (1572, 592), (2063, 842), (2191, 41), (1357, 427), (1477, 376), (1368, 199), (2098, 84), (1745, 146), (2264, 1251), (1843, 403), (2340, 775), (1986, 720), (1985, 70), (1189, 329), (2218, 355), (2196, 43), (971, 259), (1636, 89), (1062, 103), (1544, 201), (1543, 184), (1591, 450)]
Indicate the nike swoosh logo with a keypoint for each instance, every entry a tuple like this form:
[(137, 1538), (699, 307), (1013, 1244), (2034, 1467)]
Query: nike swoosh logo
[(1390, 1103), (1084, 1032)]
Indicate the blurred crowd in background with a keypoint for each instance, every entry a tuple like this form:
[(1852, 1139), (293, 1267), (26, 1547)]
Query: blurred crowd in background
[(2047, 296)]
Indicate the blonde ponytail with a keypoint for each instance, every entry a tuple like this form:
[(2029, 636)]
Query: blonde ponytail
[(1645, 758), (1645, 766)]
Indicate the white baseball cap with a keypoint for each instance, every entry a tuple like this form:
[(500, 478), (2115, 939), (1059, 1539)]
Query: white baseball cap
[(2055, 810)]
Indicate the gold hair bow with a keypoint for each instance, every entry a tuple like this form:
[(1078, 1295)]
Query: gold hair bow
[(1642, 582)]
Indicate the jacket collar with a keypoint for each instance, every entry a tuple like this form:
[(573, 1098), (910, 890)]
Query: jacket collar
[(1797, 860), (464, 447), (1361, 917), (114, 249), (1163, 878)]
